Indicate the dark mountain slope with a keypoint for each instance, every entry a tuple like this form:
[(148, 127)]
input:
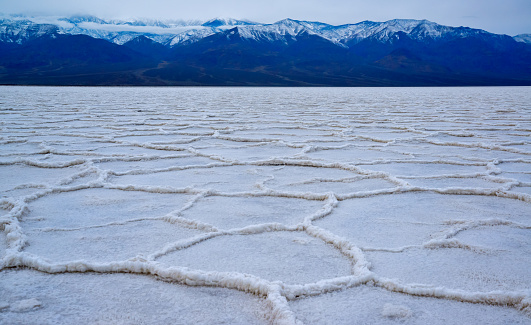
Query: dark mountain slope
[(71, 59), (308, 59), (287, 53), (148, 47)]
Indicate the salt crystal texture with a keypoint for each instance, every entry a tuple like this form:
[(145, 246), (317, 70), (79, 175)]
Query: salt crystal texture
[(396, 311), (302, 205)]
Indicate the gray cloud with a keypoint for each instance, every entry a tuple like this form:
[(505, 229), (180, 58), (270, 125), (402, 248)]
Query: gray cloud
[(498, 16)]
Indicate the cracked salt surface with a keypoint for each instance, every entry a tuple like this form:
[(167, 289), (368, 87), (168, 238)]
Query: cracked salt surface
[(252, 206), (482, 270), (238, 212), (293, 258), (105, 244), (91, 298), (92, 207), (3, 245), (367, 303)]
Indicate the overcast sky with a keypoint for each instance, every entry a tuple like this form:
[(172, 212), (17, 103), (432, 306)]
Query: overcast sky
[(497, 16)]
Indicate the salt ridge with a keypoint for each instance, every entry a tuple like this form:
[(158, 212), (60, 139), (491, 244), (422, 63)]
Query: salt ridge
[(81, 164)]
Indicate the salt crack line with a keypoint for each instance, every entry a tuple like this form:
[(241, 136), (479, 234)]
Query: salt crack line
[(284, 162), (360, 265), (313, 148), (191, 224), (153, 146), (110, 224), (499, 192), (327, 209), (158, 143), (16, 239), (29, 185), (192, 190), (169, 169), (373, 139), (261, 228), (454, 243), (432, 244), (213, 157), (335, 165), (462, 225), (280, 311), (484, 176), (445, 238), (514, 160), (436, 161), (175, 216), (478, 145), (389, 250), (90, 169), (182, 244), (310, 196), (44, 164), (10, 225), (385, 191), (293, 292), (249, 230), (516, 299), (13, 141), (333, 180), (138, 158), (241, 139)]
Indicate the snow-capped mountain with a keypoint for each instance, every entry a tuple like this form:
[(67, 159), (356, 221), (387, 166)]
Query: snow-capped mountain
[(524, 38), (227, 22), (82, 19), (176, 32), (386, 31), (21, 31), (282, 31), (191, 36), (225, 51)]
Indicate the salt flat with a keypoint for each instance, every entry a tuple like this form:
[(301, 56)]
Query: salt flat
[(265, 205)]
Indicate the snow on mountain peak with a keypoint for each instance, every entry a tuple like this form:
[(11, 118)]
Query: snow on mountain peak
[(174, 32), (191, 36), (220, 22), (385, 31), (282, 31), (523, 38), (20, 31), (83, 19)]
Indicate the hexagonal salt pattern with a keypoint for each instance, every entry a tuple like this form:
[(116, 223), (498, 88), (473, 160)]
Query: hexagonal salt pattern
[(30, 297), (290, 257), (254, 205)]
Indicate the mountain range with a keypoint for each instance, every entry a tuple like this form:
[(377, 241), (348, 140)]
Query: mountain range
[(87, 50)]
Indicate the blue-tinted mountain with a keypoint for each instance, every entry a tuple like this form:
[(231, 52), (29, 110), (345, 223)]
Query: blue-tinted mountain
[(23, 31), (58, 59), (148, 47), (90, 50), (524, 38), (220, 22)]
